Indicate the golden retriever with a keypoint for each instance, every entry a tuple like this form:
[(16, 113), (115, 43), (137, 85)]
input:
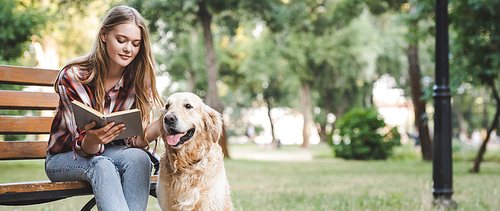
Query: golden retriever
[(192, 174)]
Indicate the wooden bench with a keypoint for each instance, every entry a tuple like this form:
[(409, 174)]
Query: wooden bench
[(27, 193)]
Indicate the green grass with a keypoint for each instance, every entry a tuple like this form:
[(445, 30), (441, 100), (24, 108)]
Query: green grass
[(319, 184), (328, 184)]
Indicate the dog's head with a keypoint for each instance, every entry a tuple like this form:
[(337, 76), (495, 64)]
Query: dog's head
[(187, 121)]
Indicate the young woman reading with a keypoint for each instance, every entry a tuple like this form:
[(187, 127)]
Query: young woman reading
[(119, 74)]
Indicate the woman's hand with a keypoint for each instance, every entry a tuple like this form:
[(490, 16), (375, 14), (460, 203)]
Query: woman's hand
[(91, 144)]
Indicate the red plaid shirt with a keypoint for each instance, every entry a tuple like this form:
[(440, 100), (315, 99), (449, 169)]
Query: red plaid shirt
[(65, 136)]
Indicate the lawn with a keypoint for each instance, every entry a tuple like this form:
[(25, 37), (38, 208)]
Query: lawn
[(318, 184)]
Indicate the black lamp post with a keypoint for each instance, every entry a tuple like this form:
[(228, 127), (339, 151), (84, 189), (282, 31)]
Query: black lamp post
[(442, 171)]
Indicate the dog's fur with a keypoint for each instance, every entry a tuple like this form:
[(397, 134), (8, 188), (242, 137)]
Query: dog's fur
[(192, 174)]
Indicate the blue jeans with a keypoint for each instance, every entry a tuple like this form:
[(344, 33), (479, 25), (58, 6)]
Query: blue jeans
[(119, 177)]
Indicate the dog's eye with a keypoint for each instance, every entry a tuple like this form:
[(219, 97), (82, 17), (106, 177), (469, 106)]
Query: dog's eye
[(167, 106), (188, 106)]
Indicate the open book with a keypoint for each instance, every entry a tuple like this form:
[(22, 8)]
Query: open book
[(131, 118)]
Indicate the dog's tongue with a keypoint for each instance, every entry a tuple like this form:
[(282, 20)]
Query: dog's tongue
[(173, 139)]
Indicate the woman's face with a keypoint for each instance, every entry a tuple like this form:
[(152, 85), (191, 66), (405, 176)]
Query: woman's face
[(122, 44)]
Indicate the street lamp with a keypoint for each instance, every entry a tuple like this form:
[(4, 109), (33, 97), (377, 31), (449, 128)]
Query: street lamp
[(442, 171)]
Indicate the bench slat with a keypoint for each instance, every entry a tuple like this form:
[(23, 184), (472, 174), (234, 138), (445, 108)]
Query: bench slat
[(20, 100), (46, 191), (16, 150), (27, 76), (42, 186), (25, 124)]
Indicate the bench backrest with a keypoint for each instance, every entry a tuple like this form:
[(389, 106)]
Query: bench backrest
[(26, 100)]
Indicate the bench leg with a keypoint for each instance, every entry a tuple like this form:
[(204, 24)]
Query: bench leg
[(89, 205)]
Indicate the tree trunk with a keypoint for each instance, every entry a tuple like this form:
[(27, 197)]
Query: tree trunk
[(328, 108), (322, 133), (482, 150), (269, 107), (485, 110), (191, 80), (305, 105), (212, 97), (341, 108), (419, 104), (190, 74)]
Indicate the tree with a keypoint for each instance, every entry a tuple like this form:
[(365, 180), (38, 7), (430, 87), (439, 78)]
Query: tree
[(58, 30), (263, 73), (476, 53), (300, 30), (345, 77), (18, 22), (181, 16), (418, 13), (185, 15), (183, 61), (419, 103)]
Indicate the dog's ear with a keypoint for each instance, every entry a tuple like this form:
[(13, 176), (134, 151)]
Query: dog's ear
[(213, 123)]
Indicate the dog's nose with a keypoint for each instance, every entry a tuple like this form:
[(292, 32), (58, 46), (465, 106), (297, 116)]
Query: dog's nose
[(170, 119)]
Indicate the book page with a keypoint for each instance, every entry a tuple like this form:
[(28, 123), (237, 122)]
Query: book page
[(131, 119), (85, 115), (88, 108)]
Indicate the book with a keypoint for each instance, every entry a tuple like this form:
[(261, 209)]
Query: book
[(131, 118)]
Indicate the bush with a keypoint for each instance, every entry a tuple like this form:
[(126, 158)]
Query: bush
[(363, 135)]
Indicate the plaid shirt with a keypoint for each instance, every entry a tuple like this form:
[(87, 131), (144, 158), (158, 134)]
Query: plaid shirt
[(65, 136)]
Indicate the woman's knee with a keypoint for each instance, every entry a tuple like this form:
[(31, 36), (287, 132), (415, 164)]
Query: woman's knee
[(138, 158), (101, 165)]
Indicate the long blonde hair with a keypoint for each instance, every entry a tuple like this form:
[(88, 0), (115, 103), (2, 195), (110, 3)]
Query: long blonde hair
[(143, 66)]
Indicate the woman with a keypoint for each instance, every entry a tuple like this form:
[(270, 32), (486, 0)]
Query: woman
[(117, 75)]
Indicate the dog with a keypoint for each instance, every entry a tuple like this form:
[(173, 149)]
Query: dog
[(192, 174)]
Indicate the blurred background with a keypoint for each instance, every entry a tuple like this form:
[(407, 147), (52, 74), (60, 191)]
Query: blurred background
[(297, 79), (286, 72)]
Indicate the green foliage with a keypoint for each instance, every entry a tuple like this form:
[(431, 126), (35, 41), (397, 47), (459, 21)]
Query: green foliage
[(476, 48), (343, 56), (184, 62), (164, 16), (474, 60), (345, 11), (255, 74), (18, 23), (361, 136), (183, 16), (264, 72), (378, 7)]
